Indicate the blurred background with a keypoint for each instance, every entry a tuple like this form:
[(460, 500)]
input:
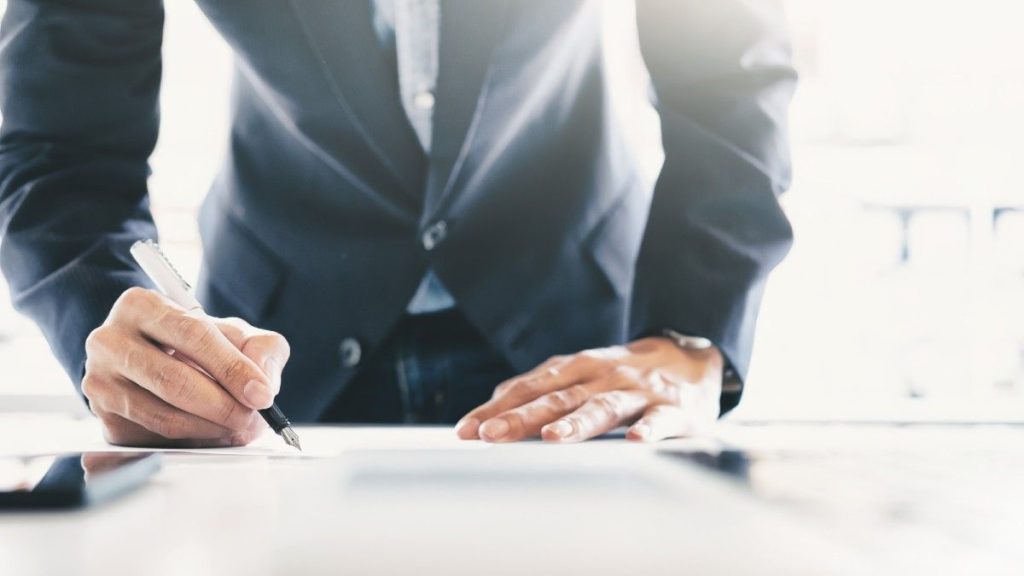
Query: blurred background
[(903, 297)]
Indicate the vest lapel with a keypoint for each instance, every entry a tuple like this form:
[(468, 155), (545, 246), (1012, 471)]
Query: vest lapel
[(363, 77)]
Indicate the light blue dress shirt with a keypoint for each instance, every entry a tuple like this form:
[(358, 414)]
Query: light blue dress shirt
[(412, 27)]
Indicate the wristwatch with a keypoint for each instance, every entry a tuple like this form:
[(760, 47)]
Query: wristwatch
[(731, 382), (687, 342)]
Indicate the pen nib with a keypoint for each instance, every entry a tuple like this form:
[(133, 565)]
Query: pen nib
[(291, 438)]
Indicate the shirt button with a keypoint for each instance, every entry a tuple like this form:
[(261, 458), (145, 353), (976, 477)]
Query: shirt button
[(435, 234), (350, 351), (423, 100)]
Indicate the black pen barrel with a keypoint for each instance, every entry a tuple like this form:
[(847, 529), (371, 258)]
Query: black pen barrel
[(275, 418)]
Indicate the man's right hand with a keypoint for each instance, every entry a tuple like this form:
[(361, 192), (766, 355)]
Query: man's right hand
[(157, 375)]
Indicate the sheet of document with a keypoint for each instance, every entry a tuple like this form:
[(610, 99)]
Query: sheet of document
[(330, 441), (46, 434), (21, 435)]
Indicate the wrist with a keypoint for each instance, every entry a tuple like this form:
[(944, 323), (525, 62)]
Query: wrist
[(731, 382)]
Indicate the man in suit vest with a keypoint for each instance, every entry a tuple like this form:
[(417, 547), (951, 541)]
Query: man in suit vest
[(428, 213)]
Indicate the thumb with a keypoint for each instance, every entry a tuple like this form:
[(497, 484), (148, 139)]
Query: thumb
[(269, 350)]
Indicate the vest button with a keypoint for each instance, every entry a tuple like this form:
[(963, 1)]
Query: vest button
[(351, 352), (434, 235)]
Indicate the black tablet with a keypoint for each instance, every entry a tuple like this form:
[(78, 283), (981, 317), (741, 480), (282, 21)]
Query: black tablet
[(71, 480)]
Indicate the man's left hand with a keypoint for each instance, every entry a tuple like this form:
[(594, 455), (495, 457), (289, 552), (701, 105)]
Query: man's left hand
[(652, 385)]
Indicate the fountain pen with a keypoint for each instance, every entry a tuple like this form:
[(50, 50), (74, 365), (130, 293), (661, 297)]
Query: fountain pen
[(160, 270)]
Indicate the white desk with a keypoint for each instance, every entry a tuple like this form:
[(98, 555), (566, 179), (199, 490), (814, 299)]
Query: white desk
[(604, 507)]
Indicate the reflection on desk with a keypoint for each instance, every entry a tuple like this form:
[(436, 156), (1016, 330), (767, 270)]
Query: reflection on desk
[(401, 500)]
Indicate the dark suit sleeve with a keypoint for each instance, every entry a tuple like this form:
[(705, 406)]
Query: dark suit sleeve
[(722, 81), (79, 82)]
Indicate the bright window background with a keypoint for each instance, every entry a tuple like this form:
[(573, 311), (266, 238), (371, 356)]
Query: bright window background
[(904, 294)]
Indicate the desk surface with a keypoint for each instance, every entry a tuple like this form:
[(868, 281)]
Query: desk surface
[(382, 501)]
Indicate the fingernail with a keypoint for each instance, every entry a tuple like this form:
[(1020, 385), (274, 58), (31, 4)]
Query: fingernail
[(467, 428), (562, 429), (494, 429), (272, 369), (257, 394), (641, 431)]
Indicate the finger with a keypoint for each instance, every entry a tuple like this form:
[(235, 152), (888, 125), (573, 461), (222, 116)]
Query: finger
[(269, 350), (121, 432), (170, 379), (528, 420), (530, 386), (663, 421), (600, 414), (540, 369), (196, 336), (140, 406)]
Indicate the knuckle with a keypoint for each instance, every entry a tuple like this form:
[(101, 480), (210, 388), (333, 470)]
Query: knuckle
[(135, 296), (580, 360), (236, 371), (626, 371), (234, 321), (624, 375), (281, 343), (129, 411), (90, 386), (229, 329), (556, 359), (272, 341), (587, 361), (592, 354), (567, 398), (97, 340), (159, 426), (579, 393), (655, 381), (166, 424), (523, 388), (607, 404), (192, 330), (92, 366), (233, 416), (185, 389), (132, 359), (558, 401), (176, 429), (92, 341), (169, 378)]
